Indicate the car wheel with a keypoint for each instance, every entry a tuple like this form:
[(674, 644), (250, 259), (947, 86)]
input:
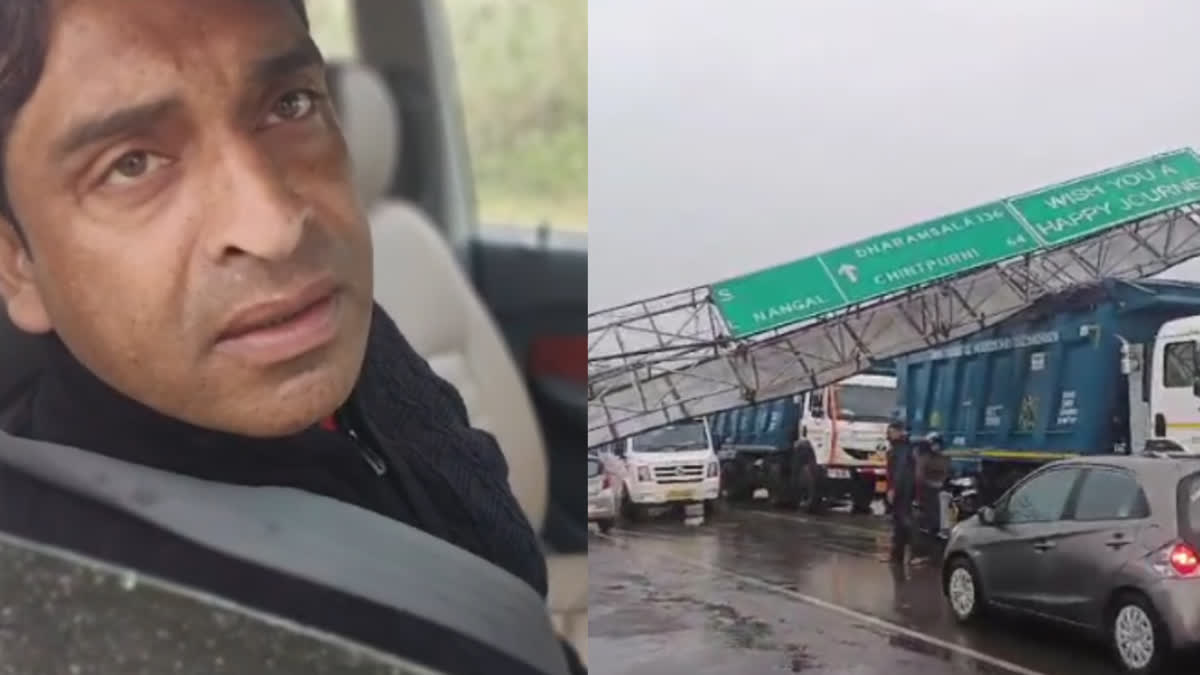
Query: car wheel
[(1138, 638), (605, 525), (963, 591)]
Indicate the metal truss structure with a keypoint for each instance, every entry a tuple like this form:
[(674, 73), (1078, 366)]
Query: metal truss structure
[(671, 357)]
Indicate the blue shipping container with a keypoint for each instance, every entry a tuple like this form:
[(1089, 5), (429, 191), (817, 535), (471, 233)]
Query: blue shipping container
[(1045, 382)]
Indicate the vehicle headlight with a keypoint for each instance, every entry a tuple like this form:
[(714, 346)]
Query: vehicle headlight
[(713, 469), (963, 481), (643, 474)]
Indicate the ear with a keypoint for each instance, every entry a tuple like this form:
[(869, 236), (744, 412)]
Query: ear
[(17, 286)]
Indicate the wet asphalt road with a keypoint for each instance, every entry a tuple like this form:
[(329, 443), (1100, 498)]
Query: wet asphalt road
[(761, 591)]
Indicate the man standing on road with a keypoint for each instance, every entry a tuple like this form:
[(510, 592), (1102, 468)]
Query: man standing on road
[(902, 484), (933, 468)]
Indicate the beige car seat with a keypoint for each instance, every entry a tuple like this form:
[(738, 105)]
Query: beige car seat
[(421, 285)]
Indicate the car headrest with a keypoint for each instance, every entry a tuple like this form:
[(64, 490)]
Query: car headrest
[(370, 120)]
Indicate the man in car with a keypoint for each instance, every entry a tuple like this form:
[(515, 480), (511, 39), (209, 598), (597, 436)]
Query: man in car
[(178, 225)]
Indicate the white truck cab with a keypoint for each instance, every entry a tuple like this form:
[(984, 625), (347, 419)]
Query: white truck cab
[(1174, 385), (675, 464), (846, 426)]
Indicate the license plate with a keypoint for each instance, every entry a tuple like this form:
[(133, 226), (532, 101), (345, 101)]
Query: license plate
[(839, 473), (680, 494)]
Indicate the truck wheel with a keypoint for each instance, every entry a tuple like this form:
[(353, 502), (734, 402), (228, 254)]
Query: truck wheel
[(632, 512), (781, 489), (808, 480), (735, 484), (808, 486), (862, 495)]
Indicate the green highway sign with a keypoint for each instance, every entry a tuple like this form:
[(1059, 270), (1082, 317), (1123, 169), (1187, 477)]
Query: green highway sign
[(1086, 206), (928, 251), (776, 297), (957, 243)]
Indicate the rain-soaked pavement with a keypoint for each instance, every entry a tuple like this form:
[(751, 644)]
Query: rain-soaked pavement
[(760, 591)]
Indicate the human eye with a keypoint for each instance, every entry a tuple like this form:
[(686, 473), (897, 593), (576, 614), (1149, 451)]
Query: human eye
[(294, 106), (132, 167)]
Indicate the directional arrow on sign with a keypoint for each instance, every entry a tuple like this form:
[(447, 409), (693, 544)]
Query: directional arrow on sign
[(850, 272)]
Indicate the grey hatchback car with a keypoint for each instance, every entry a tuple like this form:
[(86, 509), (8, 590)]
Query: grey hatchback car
[(1107, 543)]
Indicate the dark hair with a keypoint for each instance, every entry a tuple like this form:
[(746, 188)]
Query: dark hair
[(24, 33)]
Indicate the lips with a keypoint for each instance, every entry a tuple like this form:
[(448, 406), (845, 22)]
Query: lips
[(278, 312), (280, 330), (243, 329)]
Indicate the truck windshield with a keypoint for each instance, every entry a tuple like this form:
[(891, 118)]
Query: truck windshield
[(858, 403), (675, 438)]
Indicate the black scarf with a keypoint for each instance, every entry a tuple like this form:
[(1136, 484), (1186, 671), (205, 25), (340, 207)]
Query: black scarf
[(441, 475)]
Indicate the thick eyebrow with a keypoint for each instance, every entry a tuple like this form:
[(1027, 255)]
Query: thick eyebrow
[(304, 54), (112, 124)]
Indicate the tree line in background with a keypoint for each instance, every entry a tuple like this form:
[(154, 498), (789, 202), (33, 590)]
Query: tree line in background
[(523, 75)]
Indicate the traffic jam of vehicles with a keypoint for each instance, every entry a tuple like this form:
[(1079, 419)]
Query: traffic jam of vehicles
[(1042, 473)]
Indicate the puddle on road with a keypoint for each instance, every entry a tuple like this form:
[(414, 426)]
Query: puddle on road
[(658, 613)]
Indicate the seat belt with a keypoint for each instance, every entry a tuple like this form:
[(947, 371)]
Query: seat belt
[(318, 539)]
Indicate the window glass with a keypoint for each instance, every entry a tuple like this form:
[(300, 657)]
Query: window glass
[(1110, 495), (523, 77), (595, 468), (1179, 364), (333, 29), (1041, 498), (1189, 507)]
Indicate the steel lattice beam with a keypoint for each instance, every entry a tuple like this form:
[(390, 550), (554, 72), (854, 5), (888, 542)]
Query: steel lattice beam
[(670, 357)]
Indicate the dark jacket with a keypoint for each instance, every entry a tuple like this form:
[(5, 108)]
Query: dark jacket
[(902, 470), (412, 456)]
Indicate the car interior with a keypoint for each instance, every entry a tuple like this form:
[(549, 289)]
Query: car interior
[(498, 313), (447, 323)]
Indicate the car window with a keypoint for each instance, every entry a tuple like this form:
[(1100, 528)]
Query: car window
[(595, 468), (1108, 494), (1189, 507), (333, 28), (1041, 498), (1179, 364), (523, 76)]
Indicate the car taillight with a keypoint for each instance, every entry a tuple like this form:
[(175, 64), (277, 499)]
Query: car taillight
[(1183, 560)]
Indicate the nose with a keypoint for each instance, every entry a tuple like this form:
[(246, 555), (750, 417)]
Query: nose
[(264, 217)]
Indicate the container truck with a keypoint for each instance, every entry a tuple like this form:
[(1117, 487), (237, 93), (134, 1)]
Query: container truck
[(1106, 368), (811, 450)]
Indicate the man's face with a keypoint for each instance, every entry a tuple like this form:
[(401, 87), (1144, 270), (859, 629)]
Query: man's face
[(194, 237)]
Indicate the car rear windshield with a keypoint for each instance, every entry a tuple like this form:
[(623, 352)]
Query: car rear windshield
[(595, 468), (1189, 508)]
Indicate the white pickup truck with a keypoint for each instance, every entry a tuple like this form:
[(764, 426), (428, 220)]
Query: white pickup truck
[(671, 465)]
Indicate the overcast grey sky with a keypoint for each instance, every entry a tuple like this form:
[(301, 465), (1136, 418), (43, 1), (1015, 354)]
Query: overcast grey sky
[(730, 136)]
